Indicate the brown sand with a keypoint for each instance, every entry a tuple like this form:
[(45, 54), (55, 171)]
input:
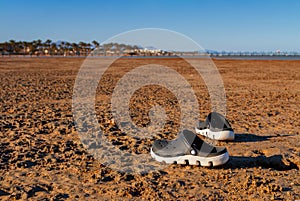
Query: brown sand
[(42, 157)]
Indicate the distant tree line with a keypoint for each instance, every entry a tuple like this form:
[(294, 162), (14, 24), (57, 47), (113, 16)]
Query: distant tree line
[(50, 48)]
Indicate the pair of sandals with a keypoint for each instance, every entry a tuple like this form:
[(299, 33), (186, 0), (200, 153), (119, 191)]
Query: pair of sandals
[(189, 149)]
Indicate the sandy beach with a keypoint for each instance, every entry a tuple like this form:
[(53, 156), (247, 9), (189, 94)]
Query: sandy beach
[(42, 157)]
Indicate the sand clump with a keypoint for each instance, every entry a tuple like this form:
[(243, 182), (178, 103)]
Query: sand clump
[(42, 157)]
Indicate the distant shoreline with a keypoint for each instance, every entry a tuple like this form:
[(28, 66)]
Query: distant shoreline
[(257, 57), (281, 57)]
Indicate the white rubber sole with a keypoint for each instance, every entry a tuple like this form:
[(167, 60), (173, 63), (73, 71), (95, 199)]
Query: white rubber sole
[(193, 160), (220, 135)]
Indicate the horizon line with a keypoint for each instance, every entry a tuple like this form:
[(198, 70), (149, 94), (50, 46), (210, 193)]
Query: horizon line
[(95, 44)]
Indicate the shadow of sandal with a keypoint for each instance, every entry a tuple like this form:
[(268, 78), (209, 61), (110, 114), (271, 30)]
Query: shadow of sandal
[(256, 138), (276, 162)]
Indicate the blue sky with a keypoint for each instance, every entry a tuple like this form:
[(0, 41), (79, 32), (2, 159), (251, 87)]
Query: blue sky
[(214, 24)]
